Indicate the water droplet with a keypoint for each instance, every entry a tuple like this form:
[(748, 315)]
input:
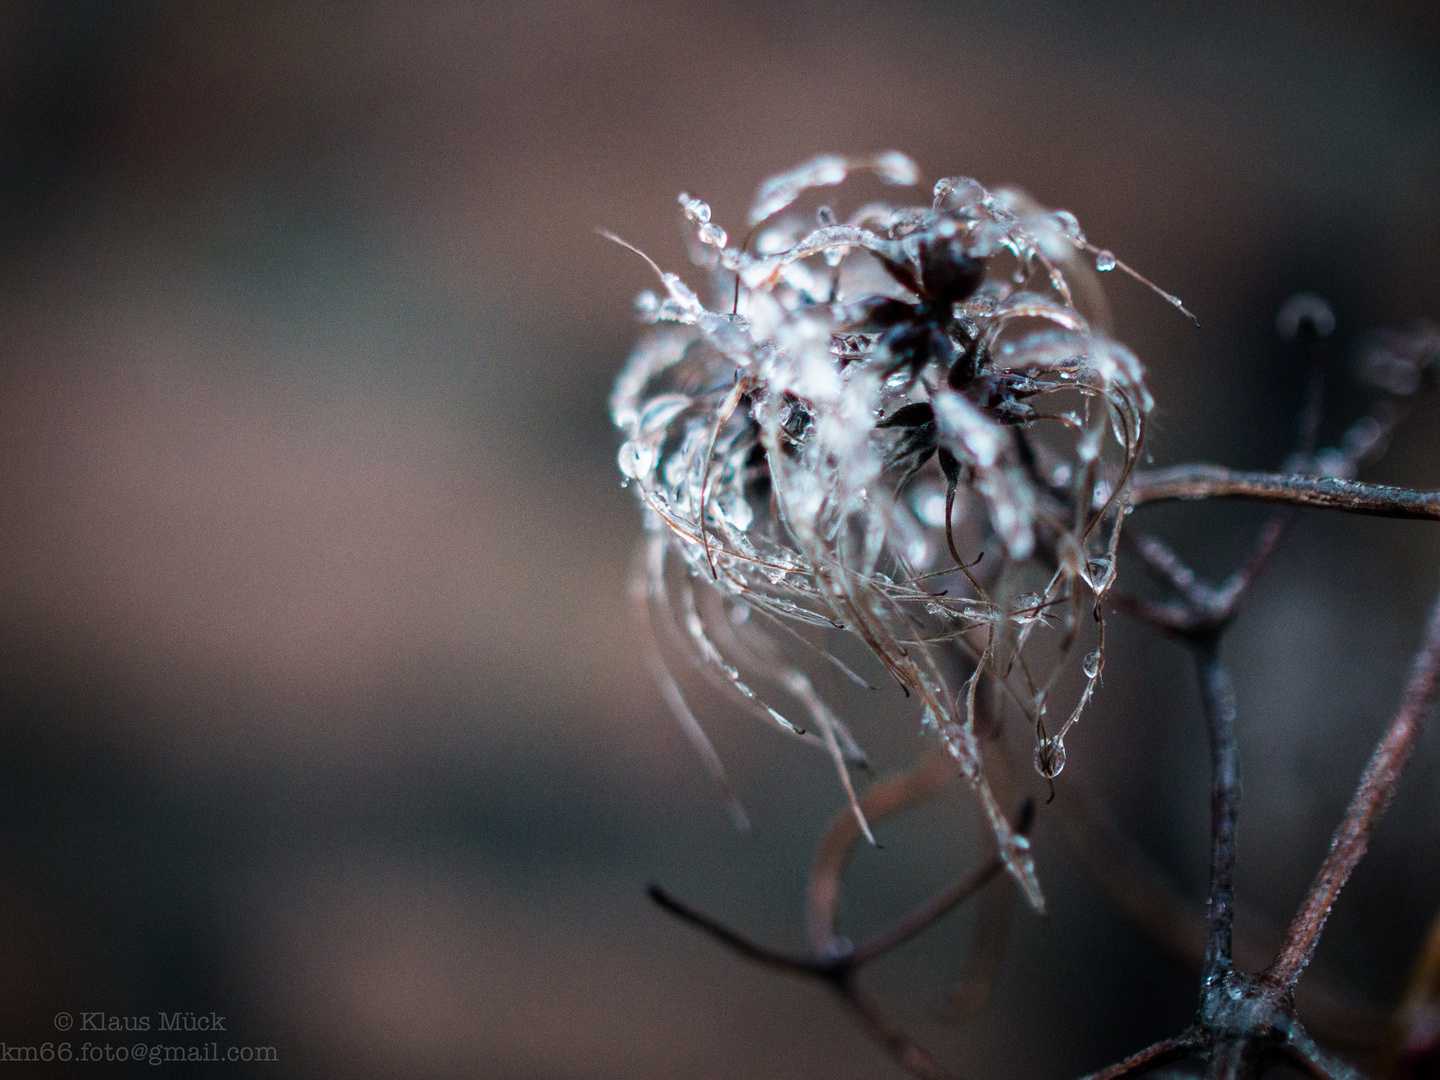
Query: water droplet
[(713, 235), (1068, 224), (694, 209), (1029, 608), (1050, 757), (636, 459), (1092, 665), (647, 306), (1104, 260), (893, 167)]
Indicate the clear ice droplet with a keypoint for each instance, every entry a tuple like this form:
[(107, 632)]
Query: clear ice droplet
[(1050, 757), (1092, 664), (636, 459), (1068, 224), (1104, 260)]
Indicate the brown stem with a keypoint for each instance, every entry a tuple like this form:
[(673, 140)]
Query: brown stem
[(1168, 567), (910, 1056), (838, 969), (1203, 609), (1228, 597), (1167, 618), (1216, 482), (1152, 1057), (985, 952), (1143, 892), (926, 914), (1217, 696), (771, 958), (1372, 797), (836, 972), (822, 895), (1302, 1051)]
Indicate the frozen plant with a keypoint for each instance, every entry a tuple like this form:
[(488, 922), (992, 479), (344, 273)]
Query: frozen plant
[(908, 425), (887, 401)]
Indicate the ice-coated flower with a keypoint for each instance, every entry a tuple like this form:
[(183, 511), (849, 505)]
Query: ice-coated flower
[(865, 408)]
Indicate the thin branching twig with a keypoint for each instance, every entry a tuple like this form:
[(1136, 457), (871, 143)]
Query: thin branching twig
[(837, 964)]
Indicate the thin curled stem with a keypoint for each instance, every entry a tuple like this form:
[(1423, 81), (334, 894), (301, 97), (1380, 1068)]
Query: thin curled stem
[(822, 895)]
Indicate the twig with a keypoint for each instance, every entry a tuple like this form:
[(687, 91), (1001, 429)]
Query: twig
[(1152, 1057), (1204, 610), (822, 895), (1174, 619), (794, 964), (1142, 891), (1216, 482), (1217, 696), (837, 968), (1372, 797), (928, 913), (838, 973), (1158, 558), (1245, 1020), (1301, 1050), (911, 1057)]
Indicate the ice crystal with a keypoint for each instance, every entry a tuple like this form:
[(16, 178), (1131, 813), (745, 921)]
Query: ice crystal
[(866, 407)]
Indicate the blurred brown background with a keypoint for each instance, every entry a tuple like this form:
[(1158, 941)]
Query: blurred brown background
[(319, 704)]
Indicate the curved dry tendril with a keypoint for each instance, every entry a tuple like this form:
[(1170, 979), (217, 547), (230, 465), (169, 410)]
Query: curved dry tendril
[(811, 455)]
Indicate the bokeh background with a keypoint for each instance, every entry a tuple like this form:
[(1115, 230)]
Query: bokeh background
[(320, 706)]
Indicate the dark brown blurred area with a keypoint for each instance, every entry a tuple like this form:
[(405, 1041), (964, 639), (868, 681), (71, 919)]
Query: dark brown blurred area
[(320, 706)]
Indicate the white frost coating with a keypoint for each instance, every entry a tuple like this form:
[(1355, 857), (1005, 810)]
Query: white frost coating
[(807, 466)]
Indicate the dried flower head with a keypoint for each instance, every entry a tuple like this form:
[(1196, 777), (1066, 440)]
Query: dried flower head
[(907, 426)]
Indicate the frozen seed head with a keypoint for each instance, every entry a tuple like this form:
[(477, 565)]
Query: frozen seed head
[(900, 423)]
